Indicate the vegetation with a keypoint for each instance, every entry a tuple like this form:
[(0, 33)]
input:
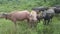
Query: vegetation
[(7, 26)]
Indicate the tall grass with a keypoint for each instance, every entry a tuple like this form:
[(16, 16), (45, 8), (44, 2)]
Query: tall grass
[(7, 26)]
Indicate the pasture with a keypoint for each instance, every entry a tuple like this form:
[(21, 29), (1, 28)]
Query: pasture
[(7, 26)]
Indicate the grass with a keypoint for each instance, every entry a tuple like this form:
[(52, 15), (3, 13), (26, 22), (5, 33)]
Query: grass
[(7, 27)]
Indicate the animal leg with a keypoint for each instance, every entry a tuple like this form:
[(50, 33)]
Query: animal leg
[(48, 22), (39, 20), (30, 24), (44, 22), (15, 25), (51, 20), (35, 24)]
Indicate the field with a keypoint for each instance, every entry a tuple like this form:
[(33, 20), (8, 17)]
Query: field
[(7, 26)]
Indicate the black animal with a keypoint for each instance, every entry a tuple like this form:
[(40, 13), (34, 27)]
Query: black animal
[(57, 6), (47, 18), (48, 15), (57, 10), (38, 9)]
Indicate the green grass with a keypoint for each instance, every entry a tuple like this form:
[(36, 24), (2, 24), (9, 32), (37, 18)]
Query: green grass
[(7, 27)]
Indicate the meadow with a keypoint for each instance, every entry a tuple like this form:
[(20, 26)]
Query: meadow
[(7, 26)]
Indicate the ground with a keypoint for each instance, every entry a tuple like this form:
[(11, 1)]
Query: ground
[(7, 27)]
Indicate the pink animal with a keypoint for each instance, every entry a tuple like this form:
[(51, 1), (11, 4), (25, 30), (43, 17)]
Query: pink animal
[(21, 15)]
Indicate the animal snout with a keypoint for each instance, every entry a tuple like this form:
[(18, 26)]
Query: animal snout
[(35, 20)]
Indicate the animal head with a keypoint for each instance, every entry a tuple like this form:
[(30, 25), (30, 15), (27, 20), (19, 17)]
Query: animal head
[(4, 15), (33, 16)]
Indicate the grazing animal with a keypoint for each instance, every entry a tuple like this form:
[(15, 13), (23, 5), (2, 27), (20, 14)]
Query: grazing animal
[(57, 10), (20, 16), (17, 16), (40, 16), (33, 21), (57, 6), (48, 15), (45, 13), (38, 9)]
